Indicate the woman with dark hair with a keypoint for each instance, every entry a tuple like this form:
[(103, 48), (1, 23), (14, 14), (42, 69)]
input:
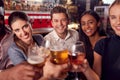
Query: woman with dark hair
[(90, 32), (23, 37)]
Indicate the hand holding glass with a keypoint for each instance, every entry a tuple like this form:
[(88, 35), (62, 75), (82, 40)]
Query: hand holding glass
[(59, 56), (77, 55)]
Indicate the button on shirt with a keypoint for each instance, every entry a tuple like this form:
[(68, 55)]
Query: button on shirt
[(4, 45), (70, 39)]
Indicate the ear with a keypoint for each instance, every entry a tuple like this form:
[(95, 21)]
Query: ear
[(51, 22), (98, 24)]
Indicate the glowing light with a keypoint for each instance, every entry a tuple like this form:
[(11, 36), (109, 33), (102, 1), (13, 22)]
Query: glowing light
[(108, 1)]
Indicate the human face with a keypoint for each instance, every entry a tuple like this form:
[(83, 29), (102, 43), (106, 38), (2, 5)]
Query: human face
[(115, 18), (22, 30), (59, 23), (89, 25)]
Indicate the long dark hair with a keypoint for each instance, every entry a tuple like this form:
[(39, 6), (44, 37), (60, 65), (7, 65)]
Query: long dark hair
[(14, 16), (85, 38)]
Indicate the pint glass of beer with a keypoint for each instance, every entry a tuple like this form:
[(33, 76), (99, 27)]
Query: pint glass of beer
[(37, 55), (59, 55)]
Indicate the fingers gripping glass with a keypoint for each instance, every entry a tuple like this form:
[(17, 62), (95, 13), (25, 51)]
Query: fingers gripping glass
[(77, 55)]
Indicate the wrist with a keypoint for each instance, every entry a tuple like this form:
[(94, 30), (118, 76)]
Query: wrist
[(86, 70), (45, 78), (4, 75)]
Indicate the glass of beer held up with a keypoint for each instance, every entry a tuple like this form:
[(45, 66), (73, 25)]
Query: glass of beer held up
[(37, 55), (59, 56)]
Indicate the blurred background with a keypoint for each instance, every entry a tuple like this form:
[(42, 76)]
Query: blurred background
[(39, 11)]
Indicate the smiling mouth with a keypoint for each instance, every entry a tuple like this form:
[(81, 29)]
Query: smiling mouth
[(88, 31), (118, 28)]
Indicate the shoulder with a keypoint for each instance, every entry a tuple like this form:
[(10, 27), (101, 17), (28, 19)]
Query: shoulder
[(49, 35), (13, 49), (73, 32), (38, 38), (100, 45), (16, 54)]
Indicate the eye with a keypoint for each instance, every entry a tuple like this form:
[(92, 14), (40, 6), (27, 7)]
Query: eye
[(55, 20), (91, 22), (83, 23), (64, 19), (16, 30), (112, 17), (26, 26)]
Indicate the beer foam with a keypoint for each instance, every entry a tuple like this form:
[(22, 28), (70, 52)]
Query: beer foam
[(35, 60)]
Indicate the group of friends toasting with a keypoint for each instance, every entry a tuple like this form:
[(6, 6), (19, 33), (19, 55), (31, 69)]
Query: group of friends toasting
[(63, 54)]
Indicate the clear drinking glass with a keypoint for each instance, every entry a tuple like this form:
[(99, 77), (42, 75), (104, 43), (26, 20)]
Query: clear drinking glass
[(59, 56), (36, 56), (77, 56)]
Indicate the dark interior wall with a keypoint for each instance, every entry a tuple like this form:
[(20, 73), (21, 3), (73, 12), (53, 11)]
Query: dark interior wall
[(1, 3)]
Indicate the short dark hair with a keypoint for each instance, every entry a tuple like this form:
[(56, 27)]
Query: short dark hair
[(59, 9)]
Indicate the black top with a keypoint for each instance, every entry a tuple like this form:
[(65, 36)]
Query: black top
[(109, 49)]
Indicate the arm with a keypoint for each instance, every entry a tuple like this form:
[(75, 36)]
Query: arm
[(94, 74), (18, 72), (97, 63), (88, 72), (16, 55)]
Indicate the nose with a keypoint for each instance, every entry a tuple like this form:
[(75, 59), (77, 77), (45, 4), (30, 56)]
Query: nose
[(60, 22), (118, 21), (87, 25), (23, 32)]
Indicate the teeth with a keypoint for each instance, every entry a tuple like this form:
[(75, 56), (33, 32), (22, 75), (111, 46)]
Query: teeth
[(88, 30), (60, 27), (118, 28)]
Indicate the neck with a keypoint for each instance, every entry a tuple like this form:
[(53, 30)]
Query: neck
[(93, 39), (63, 35)]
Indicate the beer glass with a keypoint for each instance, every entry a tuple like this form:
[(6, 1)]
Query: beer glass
[(45, 46), (59, 55), (77, 56), (36, 56)]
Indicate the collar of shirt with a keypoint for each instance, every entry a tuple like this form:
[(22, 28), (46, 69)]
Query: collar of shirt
[(58, 38)]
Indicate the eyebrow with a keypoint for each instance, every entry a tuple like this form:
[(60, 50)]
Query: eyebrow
[(23, 26)]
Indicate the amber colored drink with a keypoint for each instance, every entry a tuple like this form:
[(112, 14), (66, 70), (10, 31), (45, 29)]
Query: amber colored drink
[(59, 57), (77, 59)]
